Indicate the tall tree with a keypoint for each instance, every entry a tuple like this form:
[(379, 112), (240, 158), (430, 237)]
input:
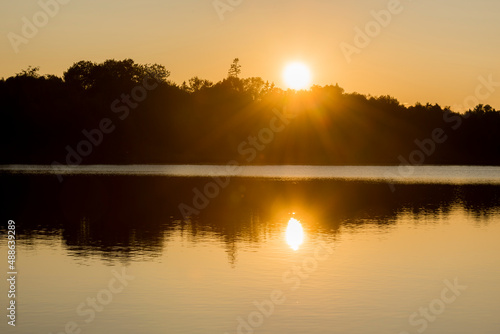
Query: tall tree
[(235, 69)]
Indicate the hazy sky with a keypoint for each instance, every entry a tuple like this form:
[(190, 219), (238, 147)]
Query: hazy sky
[(427, 50)]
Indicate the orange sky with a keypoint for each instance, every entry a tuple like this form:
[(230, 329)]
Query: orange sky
[(426, 51)]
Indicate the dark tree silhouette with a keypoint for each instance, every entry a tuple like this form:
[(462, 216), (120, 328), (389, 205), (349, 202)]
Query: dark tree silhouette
[(235, 69), (43, 117)]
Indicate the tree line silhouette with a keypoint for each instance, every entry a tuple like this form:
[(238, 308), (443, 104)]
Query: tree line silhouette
[(121, 112)]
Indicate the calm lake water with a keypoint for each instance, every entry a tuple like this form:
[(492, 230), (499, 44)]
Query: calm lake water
[(289, 249)]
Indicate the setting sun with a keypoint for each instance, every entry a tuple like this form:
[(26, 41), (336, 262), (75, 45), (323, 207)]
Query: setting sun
[(230, 166), (297, 76)]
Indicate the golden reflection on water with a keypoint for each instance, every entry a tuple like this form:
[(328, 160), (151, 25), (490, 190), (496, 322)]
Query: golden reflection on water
[(294, 234)]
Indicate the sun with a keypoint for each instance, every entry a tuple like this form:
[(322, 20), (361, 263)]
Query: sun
[(297, 76)]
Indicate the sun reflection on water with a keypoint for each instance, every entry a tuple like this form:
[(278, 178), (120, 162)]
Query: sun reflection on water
[(294, 234)]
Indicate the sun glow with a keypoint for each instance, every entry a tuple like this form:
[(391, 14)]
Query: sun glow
[(297, 76), (294, 234)]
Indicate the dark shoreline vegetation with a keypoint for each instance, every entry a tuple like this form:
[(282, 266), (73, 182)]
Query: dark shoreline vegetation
[(120, 112)]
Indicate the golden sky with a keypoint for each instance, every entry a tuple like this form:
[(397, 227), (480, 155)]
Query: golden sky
[(415, 50)]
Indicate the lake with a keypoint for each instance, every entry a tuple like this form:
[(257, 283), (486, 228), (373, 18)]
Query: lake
[(253, 249)]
